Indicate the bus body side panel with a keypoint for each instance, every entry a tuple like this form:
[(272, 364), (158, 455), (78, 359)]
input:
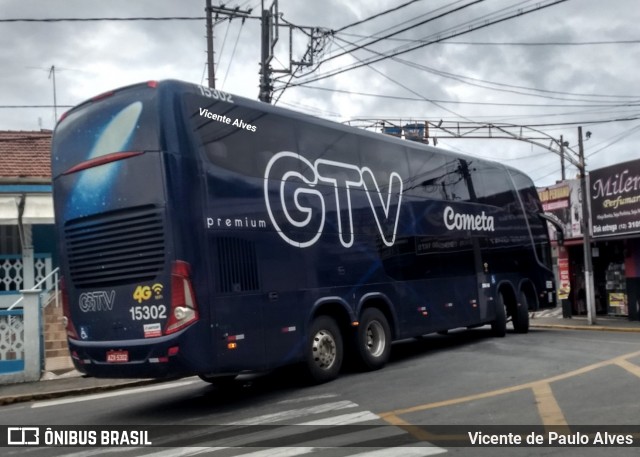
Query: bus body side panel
[(277, 216)]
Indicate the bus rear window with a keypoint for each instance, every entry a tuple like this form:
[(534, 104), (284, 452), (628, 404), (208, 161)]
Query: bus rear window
[(123, 121)]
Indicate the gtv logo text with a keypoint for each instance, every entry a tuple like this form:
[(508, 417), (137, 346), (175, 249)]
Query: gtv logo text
[(96, 301), (298, 209)]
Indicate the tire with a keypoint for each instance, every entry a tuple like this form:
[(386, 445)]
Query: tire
[(373, 340), (499, 324), (520, 317), (324, 350)]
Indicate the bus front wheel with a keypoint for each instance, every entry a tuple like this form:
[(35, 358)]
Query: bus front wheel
[(499, 324), (373, 339), (324, 351)]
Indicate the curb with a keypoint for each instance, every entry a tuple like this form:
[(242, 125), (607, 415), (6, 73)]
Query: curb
[(594, 328), (19, 398)]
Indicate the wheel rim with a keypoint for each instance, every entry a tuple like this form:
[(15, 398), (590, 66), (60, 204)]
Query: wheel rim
[(324, 349), (376, 339)]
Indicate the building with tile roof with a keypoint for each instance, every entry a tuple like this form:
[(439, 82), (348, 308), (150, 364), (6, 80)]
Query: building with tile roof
[(25, 157), (27, 241)]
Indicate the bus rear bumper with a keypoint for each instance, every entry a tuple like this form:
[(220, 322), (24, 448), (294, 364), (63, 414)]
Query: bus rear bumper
[(149, 358)]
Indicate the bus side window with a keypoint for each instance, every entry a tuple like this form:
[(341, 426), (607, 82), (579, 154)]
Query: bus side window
[(455, 182), (428, 175), (383, 159), (437, 176), (491, 187), (533, 208)]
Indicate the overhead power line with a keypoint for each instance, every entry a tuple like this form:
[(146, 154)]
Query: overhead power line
[(501, 43), (518, 13), (35, 106), (431, 19), (375, 16), (511, 88), (457, 102), (96, 19)]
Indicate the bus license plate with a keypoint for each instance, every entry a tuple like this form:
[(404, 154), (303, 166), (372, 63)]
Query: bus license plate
[(117, 356)]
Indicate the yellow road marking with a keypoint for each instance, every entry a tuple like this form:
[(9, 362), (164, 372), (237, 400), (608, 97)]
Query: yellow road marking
[(548, 408), (630, 367)]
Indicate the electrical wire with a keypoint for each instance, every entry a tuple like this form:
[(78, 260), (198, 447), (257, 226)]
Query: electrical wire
[(502, 43), (458, 102), (397, 52), (99, 19), (233, 53), (390, 10), (431, 19)]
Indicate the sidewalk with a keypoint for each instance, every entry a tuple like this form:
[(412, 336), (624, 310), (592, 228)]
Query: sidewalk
[(73, 383), (53, 386), (553, 319)]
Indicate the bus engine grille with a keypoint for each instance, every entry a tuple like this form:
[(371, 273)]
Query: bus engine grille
[(115, 248)]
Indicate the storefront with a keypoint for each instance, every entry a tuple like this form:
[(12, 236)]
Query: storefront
[(615, 220), (615, 227)]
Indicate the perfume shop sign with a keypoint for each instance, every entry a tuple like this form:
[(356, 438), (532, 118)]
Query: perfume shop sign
[(615, 199)]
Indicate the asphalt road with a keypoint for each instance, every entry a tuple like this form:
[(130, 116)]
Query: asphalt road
[(433, 393)]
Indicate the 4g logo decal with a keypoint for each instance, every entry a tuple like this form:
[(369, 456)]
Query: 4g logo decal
[(144, 293), (148, 312)]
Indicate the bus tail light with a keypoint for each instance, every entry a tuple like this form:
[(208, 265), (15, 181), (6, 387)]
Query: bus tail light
[(68, 324), (102, 160), (184, 310)]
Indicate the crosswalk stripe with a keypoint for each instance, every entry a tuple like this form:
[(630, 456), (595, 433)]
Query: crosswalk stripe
[(295, 413), (345, 419), (280, 452), (306, 399), (183, 451), (406, 451)]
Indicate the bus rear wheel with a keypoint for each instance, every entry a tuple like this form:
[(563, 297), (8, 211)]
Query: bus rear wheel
[(520, 317), (373, 340), (324, 350)]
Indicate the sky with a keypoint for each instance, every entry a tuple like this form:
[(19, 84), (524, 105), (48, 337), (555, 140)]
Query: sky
[(569, 64)]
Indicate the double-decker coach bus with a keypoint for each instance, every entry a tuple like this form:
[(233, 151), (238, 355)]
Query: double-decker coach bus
[(204, 233)]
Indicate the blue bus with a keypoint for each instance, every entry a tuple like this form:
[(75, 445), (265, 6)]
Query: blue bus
[(206, 234)]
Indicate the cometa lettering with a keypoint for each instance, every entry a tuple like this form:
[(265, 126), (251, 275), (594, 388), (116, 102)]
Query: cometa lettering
[(462, 221)]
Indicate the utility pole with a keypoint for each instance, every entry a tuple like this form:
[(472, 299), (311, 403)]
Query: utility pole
[(270, 24), (210, 59), (266, 89), (562, 172), (231, 13), (52, 75), (586, 218)]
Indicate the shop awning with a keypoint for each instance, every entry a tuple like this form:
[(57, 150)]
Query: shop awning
[(9, 210), (38, 209)]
